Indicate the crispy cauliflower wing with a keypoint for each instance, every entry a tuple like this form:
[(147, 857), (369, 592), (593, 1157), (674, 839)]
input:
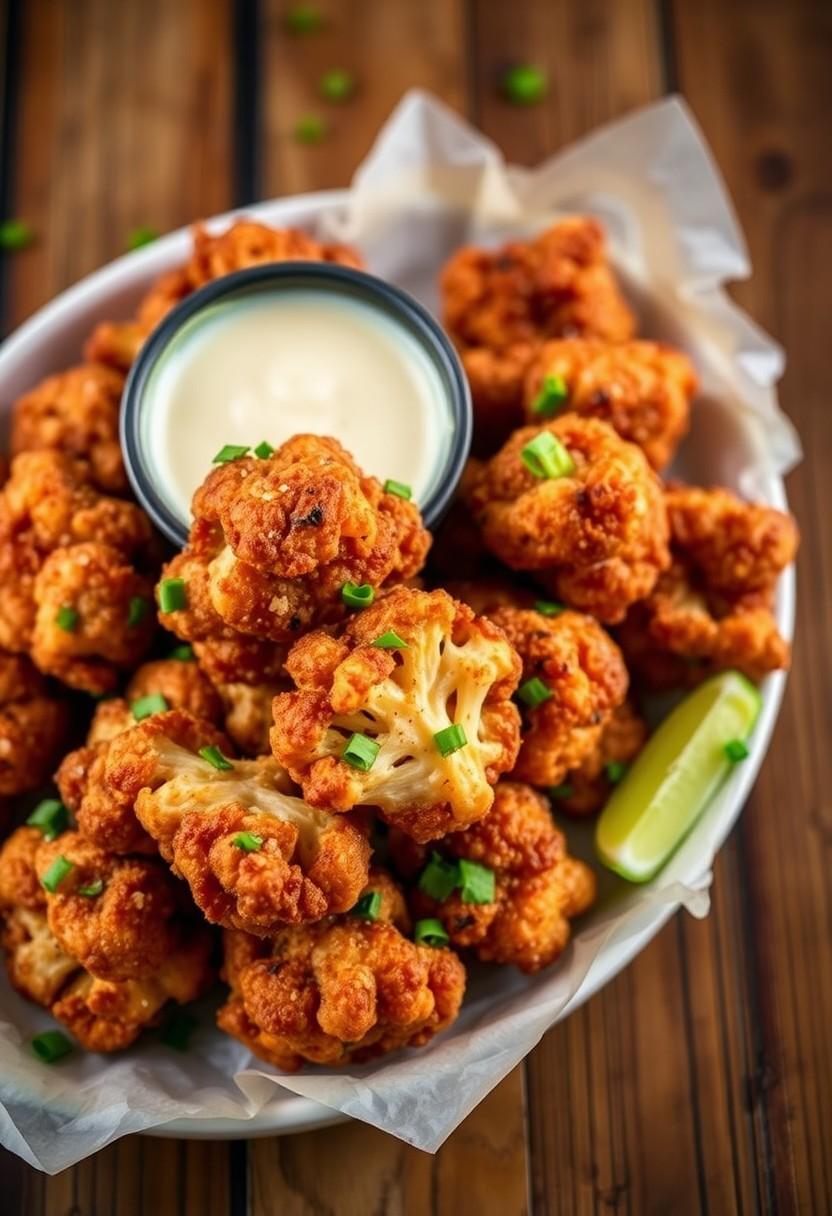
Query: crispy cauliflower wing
[(496, 378), (587, 787), (34, 722), (183, 686), (117, 343), (347, 989), (578, 668), (597, 536), (37, 966), (248, 714), (642, 389), (455, 670), (19, 885), (75, 412)]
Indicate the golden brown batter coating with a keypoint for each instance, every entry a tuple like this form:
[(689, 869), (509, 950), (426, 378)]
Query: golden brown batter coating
[(496, 378), (642, 389), (588, 787), (455, 669), (347, 989), (75, 412), (275, 540), (583, 669), (596, 537), (33, 725), (183, 686), (117, 343)]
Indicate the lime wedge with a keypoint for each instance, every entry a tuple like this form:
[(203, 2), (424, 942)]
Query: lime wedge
[(678, 772)]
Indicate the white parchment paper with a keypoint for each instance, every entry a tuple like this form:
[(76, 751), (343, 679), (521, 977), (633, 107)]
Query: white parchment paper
[(430, 184)]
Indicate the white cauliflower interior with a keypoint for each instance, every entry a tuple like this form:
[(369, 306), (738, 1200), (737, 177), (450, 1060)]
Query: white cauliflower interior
[(39, 963)]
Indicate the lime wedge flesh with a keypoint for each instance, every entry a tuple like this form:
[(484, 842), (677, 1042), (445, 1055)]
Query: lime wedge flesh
[(675, 776)]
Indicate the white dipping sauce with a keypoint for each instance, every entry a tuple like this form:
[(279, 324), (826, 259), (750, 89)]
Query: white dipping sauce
[(272, 364)]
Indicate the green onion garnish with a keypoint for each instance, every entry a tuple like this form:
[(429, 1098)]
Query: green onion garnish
[(50, 1046), (524, 85), (178, 1029), (249, 842), (184, 654), (477, 883), (561, 791), (545, 456), (337, 85), (390, 641), (430, 932), (15, 235), (451, 739), (67, 619), (229, 452), (216, 759), (51, 817), (303, 19), (368, 906), (138, 610), (56, 873), (310, 129), (361, 752), (143, 235), (552, 396), (263, 450), (398, 488), (144, 707), (439, 878), (549, 607), (172, 595), (736, 750), (93, 890), (615, 770), (355, 596), (534, 692)]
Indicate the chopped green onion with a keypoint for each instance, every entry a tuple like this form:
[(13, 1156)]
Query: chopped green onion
[(355, 596), (50, 1046), (368, 906), (736, 750), (398, 488), (310, 129), (303, 19), (144, 707), (216, 759), (249, 842), (553, 394), (561, 791), (138, 610), (67, 619), (229, 452), (337, 85), (615, 770), (143, 235), (549, 607), (477, 883), (93, 890), (361, 752), (439, 878), (430, 932), (534, 692), (172, 595), (51, 817), (56, 873), (451, 739), (263, 450), (545, 456), (390, 641), (524, 84), (178, 1029), (15, 235), (184, 654)]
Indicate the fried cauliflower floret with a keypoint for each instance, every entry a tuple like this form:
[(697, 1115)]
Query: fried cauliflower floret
[(587, 787), (75, 412), (713, 609), (496, 378), (182, 684), (117, 343), (583, 669), (37, 966), (456, 669), (538, 887), (248, 714), (596, 537), (33, 725), (346, 989), (280, 537), (19, 885), (642, 389)]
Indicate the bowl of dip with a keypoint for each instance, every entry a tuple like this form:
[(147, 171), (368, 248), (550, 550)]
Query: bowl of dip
[(275, 350)]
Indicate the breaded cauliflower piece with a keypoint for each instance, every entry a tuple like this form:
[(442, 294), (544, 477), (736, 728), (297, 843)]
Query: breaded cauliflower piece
[(182, 684), (713, 609), (496, 378), (642, 389), (595, 537), (538, 887), (254, 855), (579, 664), (75, 412), (33, 724), (19, 884), (117, 343), (248, 714), (456, 669), (345, 990), (280, 537), (587, 787)]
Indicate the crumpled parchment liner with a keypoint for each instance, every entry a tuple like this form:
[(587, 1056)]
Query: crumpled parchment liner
[(429, 184)]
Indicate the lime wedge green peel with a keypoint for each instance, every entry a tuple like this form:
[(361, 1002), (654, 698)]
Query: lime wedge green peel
[(680, 769)]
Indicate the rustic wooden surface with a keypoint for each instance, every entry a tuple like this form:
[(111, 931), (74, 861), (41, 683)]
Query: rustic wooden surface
[(701, 1079)]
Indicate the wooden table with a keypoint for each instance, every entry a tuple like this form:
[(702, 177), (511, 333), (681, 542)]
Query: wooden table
[(701, 1079)]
